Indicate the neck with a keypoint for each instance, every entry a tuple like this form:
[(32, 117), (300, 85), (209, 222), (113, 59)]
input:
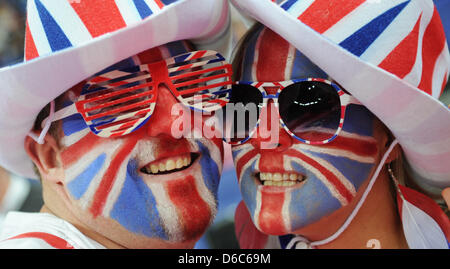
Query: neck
[(4, 184), (376, 224)]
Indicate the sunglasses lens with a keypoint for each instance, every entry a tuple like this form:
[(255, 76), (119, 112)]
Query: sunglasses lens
[(202, 80), (311, 110), (242, 113), (117, 103)]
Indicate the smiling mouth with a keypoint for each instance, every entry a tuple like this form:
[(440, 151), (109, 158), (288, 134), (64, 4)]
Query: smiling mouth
[(280, 179), (170, 165)]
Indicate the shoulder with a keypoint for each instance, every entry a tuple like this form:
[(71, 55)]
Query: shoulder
[(32, 231), (35, 240), (42, 231)]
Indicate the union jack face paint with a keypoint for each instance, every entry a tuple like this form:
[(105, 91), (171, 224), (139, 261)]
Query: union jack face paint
[(147, 184), (296, 184)]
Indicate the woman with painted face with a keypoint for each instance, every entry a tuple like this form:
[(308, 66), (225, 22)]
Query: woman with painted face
[(113, 173), (347, 138)]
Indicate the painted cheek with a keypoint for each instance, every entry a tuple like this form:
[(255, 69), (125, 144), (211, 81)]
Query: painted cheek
[(195, 219), (364, 146), (79, 184), (352, 155), (211, 166), (92, 163), (78, 142), (310, 203), (136, 207), (248, 188), (244, 161)]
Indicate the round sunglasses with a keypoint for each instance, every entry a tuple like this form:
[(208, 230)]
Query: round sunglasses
[(312, 110)]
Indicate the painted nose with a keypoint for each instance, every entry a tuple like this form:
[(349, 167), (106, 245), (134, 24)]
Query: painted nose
[(162, 120), (270, 135)]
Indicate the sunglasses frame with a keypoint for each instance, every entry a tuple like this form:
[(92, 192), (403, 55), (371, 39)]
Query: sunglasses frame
[(345, 100), (159, 72)]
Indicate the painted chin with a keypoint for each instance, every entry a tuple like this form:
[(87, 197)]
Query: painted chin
[(174, 167), (272, 205), (273, 188), (192, 206)]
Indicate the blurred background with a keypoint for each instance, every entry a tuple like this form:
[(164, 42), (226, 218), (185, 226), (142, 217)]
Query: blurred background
[(16, 193), (24, 195), (12, 26)]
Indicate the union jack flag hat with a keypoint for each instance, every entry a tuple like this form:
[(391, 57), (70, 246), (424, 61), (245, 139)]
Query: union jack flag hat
[(391, 55), (68, 41)]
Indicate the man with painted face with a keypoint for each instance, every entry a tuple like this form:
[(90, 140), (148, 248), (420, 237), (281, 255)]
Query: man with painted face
[(334, 175), (113, 173)]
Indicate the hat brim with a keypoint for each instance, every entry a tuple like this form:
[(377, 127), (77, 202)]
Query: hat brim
[(420, 122), (28, 87)]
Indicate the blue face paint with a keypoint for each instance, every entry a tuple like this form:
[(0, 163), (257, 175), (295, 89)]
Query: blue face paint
[(311, 202), (80, 184), (210, 170), (135, 208), (249, 189)]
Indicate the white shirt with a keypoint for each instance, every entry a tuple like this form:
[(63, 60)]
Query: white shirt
[(42, 231)]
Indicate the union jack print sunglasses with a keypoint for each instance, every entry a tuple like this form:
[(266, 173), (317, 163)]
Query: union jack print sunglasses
[(118, 102), (311, 110)]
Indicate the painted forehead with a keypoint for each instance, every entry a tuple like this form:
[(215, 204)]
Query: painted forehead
[(268, 57)]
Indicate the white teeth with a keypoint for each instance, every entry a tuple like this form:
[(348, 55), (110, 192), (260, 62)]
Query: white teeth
[(179, 163), (162, 167), (279, 183), (277, 176), (280, 179), (170, 164), (154, 168)]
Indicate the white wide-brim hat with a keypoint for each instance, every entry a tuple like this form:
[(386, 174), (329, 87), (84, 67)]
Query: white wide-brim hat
[(69, 41), (392, 55)]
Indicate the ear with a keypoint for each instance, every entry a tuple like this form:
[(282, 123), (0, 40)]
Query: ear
[(46, 157)]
